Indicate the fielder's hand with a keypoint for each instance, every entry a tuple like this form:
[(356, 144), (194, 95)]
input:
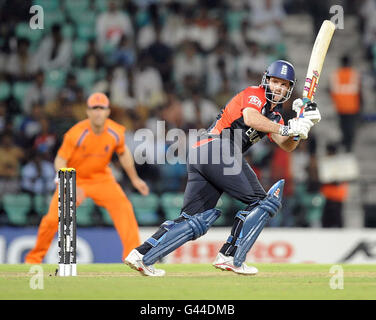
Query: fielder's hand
[(311, 111), (141, 186)]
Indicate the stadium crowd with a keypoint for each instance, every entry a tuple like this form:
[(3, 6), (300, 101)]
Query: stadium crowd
[(176, 61)]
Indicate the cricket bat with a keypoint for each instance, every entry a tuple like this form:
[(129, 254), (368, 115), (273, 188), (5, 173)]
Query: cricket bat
[(316, 62)]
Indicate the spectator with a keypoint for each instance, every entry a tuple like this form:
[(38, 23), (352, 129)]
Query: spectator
[(252, 59), (335, 194), (173, 30), (37, 175), (71, 89), (92, 59), (125, 54), (188, 62), (38, 93), (148, 84), (21, 64), (281, 168), (198, 111), (31, 125), (224, 94), (266, 19), (345, 88), (240, 37), (55, 51), (118, 87), (112, 25), (45, 142), (3, 116), (206, 29), (220, 63), (161, 55), (10, 157)]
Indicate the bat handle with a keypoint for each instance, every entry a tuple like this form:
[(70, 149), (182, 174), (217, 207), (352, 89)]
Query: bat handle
[(305, 101)]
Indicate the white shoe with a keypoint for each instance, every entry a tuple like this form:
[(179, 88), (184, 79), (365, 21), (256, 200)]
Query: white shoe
[(226, 263), (134, 260)]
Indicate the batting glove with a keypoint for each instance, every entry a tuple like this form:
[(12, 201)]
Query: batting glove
[(296, 127), (311, 111)]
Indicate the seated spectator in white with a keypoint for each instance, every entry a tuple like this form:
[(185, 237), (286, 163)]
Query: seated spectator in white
[(219, 61), (148, 84), (206, 31), (38, 93), (173, 30), (266, 18), (251, 59), (188, 61), (55, 51), (239, 38), (117, 87), (38, 175), (21, 65), (112, 25), (198, 111)]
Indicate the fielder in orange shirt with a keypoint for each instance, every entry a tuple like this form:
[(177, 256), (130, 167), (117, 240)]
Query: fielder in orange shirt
[(88, 147)]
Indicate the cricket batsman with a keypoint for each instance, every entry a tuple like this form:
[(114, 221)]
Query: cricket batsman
[(88, 147), (249, 116)]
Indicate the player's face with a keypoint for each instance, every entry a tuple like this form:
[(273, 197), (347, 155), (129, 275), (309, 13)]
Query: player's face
[(278, 88), (98, 115)]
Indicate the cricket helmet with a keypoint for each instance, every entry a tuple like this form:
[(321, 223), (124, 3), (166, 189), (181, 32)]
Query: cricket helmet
[(279, 69)]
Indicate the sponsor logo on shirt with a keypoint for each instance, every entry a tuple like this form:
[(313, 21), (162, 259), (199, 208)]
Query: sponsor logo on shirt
[(254, 100)]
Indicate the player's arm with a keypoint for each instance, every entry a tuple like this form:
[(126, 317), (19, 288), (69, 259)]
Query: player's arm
[(127, 162), (286, 143), (60, 163), (254, 119), (282, 135)]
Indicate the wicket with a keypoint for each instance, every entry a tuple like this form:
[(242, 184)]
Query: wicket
[(67, 222)]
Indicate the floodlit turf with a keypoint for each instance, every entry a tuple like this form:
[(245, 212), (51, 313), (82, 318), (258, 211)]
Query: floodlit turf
[(189, 281)]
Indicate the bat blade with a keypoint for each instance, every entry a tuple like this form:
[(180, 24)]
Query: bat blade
[(316, 62)]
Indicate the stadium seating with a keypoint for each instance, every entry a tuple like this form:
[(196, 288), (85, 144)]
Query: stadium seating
[(314, 204), (17, 208), (106, 218), (19, 90), (172, 203), (145, 208), (224, 204), (84, 213), (41, 204), (5, 90), (55, 78)]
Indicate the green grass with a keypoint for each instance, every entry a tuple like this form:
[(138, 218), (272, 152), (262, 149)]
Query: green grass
[(189, 282)]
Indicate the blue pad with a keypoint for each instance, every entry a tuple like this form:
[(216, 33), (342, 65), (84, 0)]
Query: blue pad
[(179, 233), (256, 220)]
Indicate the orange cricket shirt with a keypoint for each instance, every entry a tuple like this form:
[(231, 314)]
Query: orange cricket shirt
[(90, 153)]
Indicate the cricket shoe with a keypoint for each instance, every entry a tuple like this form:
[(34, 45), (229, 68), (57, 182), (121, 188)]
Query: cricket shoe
[(134, 260), (226, 263)]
